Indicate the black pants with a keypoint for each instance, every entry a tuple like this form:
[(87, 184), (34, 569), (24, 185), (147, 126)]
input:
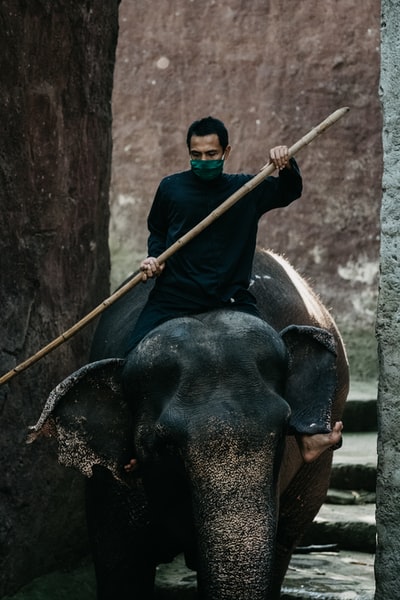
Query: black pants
[(161, 307)]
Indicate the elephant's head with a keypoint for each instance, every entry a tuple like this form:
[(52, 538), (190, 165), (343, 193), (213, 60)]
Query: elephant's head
[(209, 397)]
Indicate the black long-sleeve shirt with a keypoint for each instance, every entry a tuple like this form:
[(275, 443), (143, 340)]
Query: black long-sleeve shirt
[(217, 263)]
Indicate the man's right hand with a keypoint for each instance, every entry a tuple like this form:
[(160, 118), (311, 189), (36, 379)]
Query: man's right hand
[(150, 267)]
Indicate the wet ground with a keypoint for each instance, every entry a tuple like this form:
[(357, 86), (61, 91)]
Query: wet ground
[(318, 576), (331, 576)]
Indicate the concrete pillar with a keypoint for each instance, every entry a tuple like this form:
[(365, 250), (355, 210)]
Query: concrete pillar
[(388, 319)]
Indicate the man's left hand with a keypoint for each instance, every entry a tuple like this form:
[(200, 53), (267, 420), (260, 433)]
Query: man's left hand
[(279, 157)]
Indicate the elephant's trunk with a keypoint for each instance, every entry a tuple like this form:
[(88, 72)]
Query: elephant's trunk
[(235, 511)]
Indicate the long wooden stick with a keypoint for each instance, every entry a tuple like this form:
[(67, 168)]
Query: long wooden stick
[(266, 170)]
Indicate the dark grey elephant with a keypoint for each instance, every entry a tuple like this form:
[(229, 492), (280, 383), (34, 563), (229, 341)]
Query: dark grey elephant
[(204, 404)]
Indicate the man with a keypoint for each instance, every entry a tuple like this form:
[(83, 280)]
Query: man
[(213, 270)]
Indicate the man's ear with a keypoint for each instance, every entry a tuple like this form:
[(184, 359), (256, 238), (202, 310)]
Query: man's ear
[(227, 151)]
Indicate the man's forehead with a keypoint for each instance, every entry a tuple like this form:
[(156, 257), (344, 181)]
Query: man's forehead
[(205, 142)]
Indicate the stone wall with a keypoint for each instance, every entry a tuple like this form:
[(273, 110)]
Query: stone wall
[(388, 328), (271, 70)]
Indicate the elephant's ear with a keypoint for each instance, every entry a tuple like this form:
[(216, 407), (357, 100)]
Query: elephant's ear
[(312, 378), (90, 418)]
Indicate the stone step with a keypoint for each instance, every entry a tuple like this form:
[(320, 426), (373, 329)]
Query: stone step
[(357, 449), (348, 527), (353, 477), (347, 519), (360, 413), (363, 390), (354, 464)]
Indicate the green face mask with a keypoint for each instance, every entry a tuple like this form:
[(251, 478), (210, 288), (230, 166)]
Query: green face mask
[(207, 169)]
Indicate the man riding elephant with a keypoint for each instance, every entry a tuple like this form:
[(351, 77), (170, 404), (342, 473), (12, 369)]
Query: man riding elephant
[(228, 399), (214, 270)]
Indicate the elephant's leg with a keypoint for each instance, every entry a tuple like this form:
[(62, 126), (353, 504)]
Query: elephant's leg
[(117, 519), (299, 504)]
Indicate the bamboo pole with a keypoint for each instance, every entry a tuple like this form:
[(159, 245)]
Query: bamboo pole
[(264, 172)]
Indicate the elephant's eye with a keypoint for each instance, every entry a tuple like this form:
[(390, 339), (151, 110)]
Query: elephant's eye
[(169, 376), (272, 365), (159, 378)]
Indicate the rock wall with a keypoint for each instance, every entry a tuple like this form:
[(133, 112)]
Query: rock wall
[(270, 70), (388, 328), (55, 168)]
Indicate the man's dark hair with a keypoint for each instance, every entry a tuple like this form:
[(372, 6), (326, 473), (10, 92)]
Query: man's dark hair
[(208, 126)]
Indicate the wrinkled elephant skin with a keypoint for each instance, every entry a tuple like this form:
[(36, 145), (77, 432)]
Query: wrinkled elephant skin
[(208, 406)]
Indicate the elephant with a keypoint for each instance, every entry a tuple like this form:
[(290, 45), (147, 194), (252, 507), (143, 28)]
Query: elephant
[(209, 405)]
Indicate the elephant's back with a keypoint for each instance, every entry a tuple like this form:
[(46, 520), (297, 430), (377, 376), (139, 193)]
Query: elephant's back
[(283, 296), (117, 322)]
